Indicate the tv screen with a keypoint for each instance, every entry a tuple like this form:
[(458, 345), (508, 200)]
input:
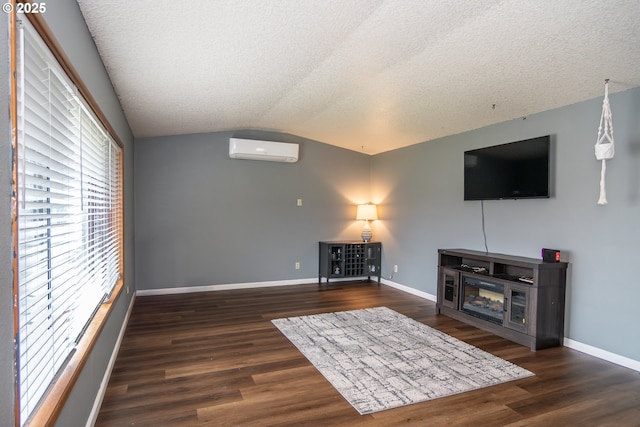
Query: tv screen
[(517, 170)]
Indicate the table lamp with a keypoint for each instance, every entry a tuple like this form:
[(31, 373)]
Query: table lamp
[(366, 213)]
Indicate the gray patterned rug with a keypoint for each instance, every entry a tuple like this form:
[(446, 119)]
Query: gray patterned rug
[(379, 359)]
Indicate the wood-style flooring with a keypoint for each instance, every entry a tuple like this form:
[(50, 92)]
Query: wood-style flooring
[(215, 359)]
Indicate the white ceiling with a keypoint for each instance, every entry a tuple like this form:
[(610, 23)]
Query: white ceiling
[(367, 75)]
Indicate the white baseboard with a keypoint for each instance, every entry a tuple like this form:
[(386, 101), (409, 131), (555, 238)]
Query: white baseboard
[(603, 354), (93, 416), (249, 285), (409, 290), (223, 287)]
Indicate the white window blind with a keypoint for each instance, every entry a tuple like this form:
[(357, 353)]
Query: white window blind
[(69, 217)]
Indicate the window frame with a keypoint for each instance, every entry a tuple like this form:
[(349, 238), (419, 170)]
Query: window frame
[(55, 398)]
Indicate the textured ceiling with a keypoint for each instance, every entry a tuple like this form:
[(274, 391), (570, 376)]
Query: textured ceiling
[(367, 75)]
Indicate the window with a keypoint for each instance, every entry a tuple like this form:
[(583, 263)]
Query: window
[(69, 217)]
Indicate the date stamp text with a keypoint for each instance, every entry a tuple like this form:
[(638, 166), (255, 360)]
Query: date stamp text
[(25, 7)]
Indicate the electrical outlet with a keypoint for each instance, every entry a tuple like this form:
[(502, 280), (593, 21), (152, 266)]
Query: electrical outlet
[(395, 268), (297, 265)]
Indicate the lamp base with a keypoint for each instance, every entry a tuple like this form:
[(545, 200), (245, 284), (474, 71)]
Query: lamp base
[(366, 232)]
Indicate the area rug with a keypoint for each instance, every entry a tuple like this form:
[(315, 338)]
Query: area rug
[(379, 359)]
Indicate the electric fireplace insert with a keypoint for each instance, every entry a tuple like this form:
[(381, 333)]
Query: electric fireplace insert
[(483, 299)]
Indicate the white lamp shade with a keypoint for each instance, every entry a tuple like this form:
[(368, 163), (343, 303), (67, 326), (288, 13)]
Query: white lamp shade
[(367, 212)]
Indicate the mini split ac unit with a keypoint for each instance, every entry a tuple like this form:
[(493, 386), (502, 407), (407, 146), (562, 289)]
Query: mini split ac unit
[(263, 150)]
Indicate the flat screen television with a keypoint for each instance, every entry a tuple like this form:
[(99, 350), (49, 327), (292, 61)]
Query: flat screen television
[(517, 170)]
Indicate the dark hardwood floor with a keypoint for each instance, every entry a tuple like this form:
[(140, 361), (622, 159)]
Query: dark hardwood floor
[(215, 359)]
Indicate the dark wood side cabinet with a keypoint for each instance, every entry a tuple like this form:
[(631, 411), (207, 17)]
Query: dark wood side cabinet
[(518, 298), (341, 259)]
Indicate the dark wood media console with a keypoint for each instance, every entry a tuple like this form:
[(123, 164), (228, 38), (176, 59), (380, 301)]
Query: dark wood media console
[(520, 299)]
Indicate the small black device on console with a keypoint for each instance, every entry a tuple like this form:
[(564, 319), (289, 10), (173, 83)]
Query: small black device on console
[(550, 255)]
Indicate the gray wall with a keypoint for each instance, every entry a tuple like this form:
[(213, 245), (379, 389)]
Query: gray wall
[(205, 219), (420, 189), (67, 25)]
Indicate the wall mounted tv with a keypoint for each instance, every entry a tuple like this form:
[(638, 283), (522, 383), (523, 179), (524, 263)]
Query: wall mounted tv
[(517, 170)]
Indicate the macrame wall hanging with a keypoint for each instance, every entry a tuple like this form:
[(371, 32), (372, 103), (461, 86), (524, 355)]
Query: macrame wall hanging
[(604, 143)]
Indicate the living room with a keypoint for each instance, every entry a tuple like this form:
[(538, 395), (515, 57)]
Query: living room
[(196, 219)]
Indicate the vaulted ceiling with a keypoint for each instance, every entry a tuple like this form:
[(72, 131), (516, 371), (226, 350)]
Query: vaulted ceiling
[(367, 75)]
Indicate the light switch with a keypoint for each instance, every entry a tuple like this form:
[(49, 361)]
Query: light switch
[(299, 202)]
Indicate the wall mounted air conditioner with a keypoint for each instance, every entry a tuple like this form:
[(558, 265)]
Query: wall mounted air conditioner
[(253, 149)]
